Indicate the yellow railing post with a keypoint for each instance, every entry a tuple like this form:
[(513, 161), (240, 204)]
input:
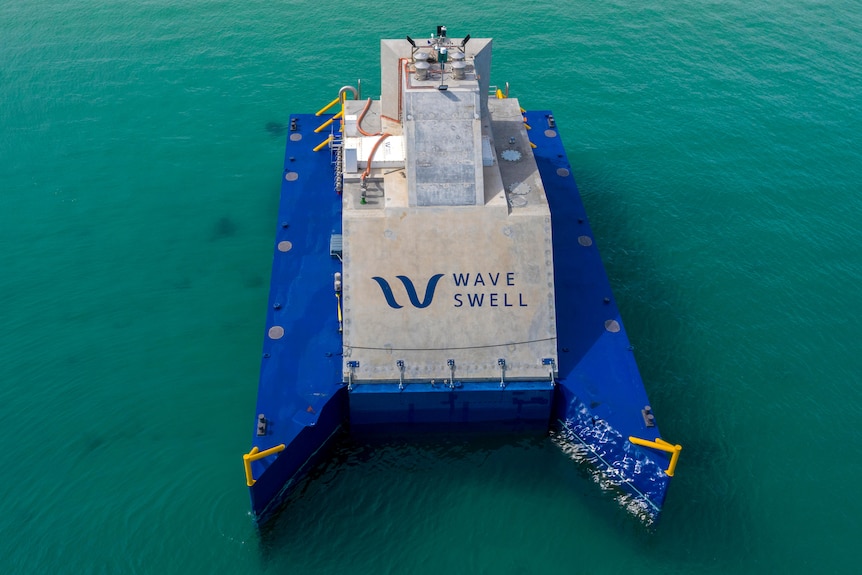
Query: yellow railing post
[(661, 445), (322, 144), (323, 126), (254, 455), (343, 95), (328, 106)]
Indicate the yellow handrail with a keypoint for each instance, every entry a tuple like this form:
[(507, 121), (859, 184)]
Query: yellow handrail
[(323, 126), (254, 455), (339, 98), (328, 106), (661, 445), (322, 144)]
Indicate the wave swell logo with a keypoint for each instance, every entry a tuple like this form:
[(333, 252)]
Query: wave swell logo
[(411, 291)]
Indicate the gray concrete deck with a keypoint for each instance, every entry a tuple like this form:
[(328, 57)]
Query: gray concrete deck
[(450, 255)]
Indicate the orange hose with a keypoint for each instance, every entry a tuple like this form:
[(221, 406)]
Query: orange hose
[(361, 117), (371, 155)]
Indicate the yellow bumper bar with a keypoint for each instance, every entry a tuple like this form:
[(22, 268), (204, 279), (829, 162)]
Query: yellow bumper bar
[(661, 445), (254, 455)]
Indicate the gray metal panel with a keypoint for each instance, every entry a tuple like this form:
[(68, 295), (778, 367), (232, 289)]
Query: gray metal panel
[(444, 145)]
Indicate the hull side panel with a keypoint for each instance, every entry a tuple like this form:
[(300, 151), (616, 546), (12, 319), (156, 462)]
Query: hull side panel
[(601, 393), (300, 392)]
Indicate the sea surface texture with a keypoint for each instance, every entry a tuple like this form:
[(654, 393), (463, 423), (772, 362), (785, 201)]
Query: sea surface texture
[(717, 145)]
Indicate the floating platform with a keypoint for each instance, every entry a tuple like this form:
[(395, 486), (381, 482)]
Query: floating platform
[(434, 269)]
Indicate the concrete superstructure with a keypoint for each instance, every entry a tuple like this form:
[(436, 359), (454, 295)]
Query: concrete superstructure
[(447, 259)]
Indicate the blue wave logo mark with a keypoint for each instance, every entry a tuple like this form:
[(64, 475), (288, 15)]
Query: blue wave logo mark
[(411, 291)]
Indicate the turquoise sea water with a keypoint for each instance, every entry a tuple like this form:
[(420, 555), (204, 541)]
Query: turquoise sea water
[(717, 145)]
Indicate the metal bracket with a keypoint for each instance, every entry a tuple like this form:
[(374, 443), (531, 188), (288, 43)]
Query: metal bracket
[(552, 367), (400, 364), (502, 363), (451, 364), (337, 287), (352, 365), (336, 247)]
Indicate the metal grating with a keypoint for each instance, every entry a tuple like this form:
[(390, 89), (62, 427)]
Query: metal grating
[(335, 245)]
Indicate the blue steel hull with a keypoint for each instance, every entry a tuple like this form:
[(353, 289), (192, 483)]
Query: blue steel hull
[(600, 392), (517, 405), (591, 409), (300, 393)]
